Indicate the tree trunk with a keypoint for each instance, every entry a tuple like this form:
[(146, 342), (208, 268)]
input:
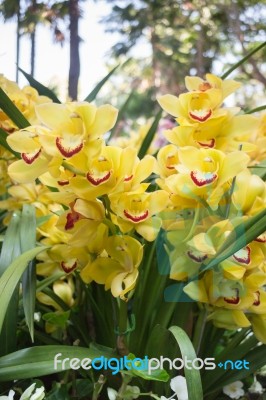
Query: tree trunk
[(33, 40), (74, 68), (18, 40), (32, 52)]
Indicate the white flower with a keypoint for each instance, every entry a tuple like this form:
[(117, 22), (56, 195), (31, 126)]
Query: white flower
[(179, 386), (29, 395), (131, 393), (9, 397), (256, 387), (234, 390), (37, 316), (111, 393)]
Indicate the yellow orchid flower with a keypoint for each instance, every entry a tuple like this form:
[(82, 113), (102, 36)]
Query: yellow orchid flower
[(225, 133), (24, 99), (249, 194), (137, 211), (194, 106), (117, 269), (85, 222), (212, 82), (219, 291), (71, 125), (62, 257), (205, 173), (64, 289), (167, 160)]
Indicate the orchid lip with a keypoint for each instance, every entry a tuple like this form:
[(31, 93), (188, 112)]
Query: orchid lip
[(233, 300), (63, 183), (201, 179), (67, 268), (136, 218), (243, 255), (71, 218), (200, 118), (67, 151), (128, 178), (196, 257), (29, 158), (98, 181), (257, 298), (261, 238), (209, 144)]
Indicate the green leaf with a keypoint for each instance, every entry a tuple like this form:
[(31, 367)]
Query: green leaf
[(3, 143), (99, 85), (260, 170), (257, 109), (39, 361), (150, 135), (57, 318), (235, 66), (12, 111), (120, 115), (155, 375), (193, 379), (41, 89), (10, 251), (243, 234), (28, 241), (11, 277)]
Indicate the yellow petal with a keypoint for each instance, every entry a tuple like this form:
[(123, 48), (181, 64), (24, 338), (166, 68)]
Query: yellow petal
[(105, 119), (171, 104)]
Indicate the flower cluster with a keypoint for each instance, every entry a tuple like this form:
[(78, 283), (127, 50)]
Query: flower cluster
[(96, 205), (211, 190)]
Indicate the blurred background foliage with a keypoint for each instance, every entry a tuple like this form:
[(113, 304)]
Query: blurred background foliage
[(160, 42)]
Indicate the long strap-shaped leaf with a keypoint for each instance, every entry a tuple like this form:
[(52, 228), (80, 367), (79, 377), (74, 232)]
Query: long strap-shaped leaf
[(3, 143), (98, 87), (250, 54), (11, 249), (243, 234), (150, 135), (41, 89), (11, 277), (40, 360), (28, 241), (193, 379), (12, 111)]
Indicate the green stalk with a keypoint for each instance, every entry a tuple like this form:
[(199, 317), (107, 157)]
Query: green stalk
[(199, 330), (98, 387), (257, 109), (121, 342), (250, 54)]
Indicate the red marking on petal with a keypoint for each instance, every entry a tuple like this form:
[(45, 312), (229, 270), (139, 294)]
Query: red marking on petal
[(243, 255), (128, 178), (197, 257), (261, 238), (257, 298), (210, 144), (98, 181), (201, 118), (29, 158), (72, 218), (63, 183), (205, 86), (136, 218), (198, 179), (233, 300), (68, 268), (67, 151)]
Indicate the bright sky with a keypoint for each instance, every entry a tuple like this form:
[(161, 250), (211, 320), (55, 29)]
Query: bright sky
[(52, 61)]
